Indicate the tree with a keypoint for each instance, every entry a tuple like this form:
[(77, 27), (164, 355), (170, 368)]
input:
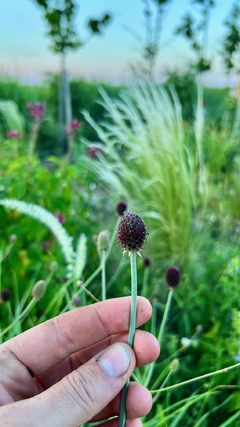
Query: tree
[(197, 33), (154, 12), (60, 16), (231, 42)]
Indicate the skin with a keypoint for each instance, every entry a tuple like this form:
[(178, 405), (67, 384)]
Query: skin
[(53, 374)]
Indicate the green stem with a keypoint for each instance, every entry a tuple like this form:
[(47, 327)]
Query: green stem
[(103, 263), (131, 335), (191, 380), (23, 313), (160, 334), (162, 386), (145, 281)]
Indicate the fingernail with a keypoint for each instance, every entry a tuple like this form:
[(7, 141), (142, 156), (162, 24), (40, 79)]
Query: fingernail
[(115, 361)]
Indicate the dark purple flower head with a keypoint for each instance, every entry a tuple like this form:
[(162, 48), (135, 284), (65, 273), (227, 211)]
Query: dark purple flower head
[(173, 277), (5, 295), (121, 208), (132, 232), (146, 262), (14, 134)]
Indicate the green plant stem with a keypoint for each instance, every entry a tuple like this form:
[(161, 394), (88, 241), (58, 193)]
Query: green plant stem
[(23, 313), (82, 288), (160, 334), (191, 380), (131, 335), (145, 281), (103, 263), (162, 386)]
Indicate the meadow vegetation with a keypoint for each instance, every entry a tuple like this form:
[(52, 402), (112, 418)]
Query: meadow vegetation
[(175, 162)]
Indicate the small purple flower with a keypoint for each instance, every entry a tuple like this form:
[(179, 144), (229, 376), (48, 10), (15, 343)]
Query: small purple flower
[(173, 277), (61, 218), (92, 152), (73, 127), (45, 245), (14, 134), (36, 111)]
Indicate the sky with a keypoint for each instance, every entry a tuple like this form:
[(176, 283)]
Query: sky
[(25, 53)]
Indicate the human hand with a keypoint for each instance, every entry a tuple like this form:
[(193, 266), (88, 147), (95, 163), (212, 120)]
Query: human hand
[(71, 369)]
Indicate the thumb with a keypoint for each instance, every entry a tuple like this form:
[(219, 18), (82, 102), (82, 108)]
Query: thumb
[(83, 393)]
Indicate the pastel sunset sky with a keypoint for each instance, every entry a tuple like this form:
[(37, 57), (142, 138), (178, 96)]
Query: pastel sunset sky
[(25, 53)]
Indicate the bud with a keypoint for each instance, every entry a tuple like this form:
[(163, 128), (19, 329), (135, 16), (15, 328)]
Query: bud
[(173, 277), (76, 302), (121, 208), (5, 295), (199, 329), (174, 365), (132, 232), (146, 262), (103, 241), (39, 290), (13, 238)]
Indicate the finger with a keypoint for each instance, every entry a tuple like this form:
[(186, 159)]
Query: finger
[(129, 423), (78, 397), (46, 345), (146, 348), (138, 404)]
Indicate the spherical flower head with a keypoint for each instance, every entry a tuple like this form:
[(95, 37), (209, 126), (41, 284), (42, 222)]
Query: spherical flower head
[(121, 208), (76, 302), (5, 295), (132, 232), (173, 277), (146, 262)]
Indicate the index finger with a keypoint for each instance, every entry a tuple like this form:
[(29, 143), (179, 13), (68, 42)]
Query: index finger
[(44, 346)]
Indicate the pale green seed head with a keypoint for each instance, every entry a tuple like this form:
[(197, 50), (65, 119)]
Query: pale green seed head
[(39, 290), (103, 241)]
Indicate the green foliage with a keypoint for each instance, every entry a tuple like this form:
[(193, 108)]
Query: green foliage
[(145, 159), (231, 43), (146, 156)]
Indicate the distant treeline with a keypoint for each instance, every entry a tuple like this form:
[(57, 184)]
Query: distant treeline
[(219, 103)]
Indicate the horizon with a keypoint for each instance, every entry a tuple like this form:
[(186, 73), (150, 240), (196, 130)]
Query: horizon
[(25, 53)]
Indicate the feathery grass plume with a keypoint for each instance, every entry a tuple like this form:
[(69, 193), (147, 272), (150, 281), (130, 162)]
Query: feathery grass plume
[(10, 116), (81, 256), (145, 158), (131, 236), (45, 217)]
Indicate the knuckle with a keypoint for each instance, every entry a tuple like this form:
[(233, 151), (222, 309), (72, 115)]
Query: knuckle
[(82, 389)]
